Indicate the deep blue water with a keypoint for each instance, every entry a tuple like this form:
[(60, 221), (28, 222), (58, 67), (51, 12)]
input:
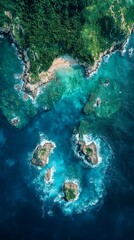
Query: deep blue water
[(105, 209)]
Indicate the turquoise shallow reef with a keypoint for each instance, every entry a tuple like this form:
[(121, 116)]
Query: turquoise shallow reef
[(71, 100)]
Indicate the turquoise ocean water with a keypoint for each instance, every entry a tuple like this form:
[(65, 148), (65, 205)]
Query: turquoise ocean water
[(37, 210)]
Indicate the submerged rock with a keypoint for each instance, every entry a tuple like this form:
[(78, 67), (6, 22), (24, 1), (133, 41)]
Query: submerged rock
[(89, 151), (41, 154), (17, 87), (71, 191)]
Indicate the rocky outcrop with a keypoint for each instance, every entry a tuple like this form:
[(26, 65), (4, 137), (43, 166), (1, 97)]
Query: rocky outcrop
[(15, 121), (48, 175), (41, 154), (116, 46), (71, 191), (89, 151)]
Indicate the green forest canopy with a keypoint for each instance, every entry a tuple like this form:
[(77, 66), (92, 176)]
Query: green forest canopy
[(81, 28)]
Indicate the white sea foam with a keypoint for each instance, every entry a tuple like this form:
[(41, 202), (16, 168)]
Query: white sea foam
[(92, 203), (125, 47), (123, 51), (106, 57), (1, 36), (17, 76), (24, 67), (88, 139), (43, 141), (93, 73), (130, 52)]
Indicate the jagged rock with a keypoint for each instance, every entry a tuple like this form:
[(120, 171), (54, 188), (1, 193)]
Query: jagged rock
[(28, 65), (41, 154), (89, 151), (48, 175), (25, 55), (15, 121)]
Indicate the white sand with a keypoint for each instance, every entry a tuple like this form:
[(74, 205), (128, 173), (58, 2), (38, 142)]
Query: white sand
[(57, 63)]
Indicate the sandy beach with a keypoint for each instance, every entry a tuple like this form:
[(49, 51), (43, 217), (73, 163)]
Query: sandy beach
[(57, 63), (46, 76)]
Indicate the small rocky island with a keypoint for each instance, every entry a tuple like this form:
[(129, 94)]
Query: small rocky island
[(89, 151), (71, 191), (41, 154), (15, 121), (48, 175)]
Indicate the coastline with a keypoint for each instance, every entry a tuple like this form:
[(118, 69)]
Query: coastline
[(116, 46), (60, 62), (66, 61), (46, 76)]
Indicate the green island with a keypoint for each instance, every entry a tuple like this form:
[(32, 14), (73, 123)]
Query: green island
[(80, 28), (70, 190), (89, 151), (41, 154)]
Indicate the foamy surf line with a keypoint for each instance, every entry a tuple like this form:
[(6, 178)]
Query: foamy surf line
[(106, 57), (88, 139)]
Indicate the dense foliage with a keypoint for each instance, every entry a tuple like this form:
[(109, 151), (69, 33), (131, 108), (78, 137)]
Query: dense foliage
[(70, 194), (82, 28)]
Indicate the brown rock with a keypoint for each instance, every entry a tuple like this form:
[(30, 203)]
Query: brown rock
[(25, 96), (41, 154), (48, 175), (90, 152), (71, 191), (15, 121)]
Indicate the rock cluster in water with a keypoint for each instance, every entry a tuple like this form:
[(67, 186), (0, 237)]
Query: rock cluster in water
[(41, 159), (70, 187)]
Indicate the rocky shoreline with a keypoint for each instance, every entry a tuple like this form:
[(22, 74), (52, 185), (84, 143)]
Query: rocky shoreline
[(28, 88), (116, 46), (31, 88)]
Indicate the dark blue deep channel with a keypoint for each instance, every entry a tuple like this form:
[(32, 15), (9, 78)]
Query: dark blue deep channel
[(30, 210)]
